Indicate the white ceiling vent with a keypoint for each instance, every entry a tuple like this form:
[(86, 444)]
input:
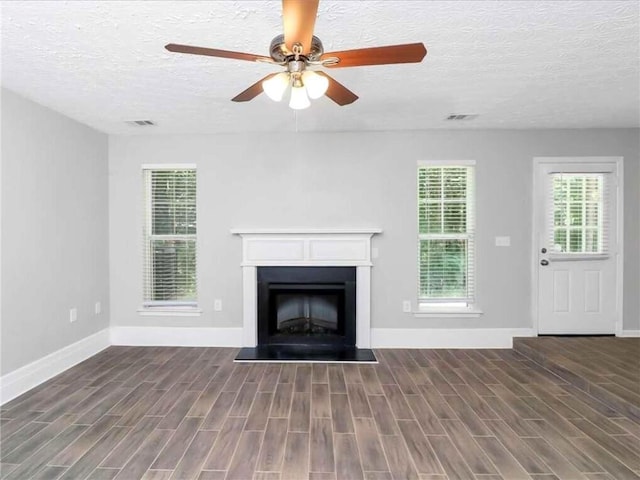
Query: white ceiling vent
[(140, 123), (462, 116)]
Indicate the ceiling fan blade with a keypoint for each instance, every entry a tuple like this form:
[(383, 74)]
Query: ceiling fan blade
[(299, 18), (338, 92), (212, 52), (253, 91), (409, 53)]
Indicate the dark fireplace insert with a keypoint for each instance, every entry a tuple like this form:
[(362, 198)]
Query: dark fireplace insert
[(306, 314), (307, 306)]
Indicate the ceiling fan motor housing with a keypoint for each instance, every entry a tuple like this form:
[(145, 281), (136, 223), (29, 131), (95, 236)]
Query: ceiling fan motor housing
[(281, 54)]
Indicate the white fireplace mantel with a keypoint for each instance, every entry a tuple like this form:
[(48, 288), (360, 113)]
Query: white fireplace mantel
[(306, 247)]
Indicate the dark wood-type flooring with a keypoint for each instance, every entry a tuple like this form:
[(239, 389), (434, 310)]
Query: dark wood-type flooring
[(608, 368), (191, 413)]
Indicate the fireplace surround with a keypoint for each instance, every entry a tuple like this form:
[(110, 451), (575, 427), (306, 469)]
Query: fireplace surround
[(340, 247)]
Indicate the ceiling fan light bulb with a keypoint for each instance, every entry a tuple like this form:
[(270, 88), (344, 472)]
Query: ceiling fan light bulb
[(317, 85), (299, 99), (275, 86)]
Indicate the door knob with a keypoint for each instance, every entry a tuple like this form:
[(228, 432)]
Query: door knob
[(544, 263), (544, 250)]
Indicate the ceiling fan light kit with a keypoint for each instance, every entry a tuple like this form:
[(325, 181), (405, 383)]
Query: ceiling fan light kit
[(275, 87), (299, 99), (299, 49), (317, 85), (305, 84)]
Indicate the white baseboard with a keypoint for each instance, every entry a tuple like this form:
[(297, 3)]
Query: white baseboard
[(25, 378), (19, 381), (380, 337), (446, 338), (630, 333), (177, 336)]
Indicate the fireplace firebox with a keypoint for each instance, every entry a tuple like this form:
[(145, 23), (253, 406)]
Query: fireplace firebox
[(307, 306)]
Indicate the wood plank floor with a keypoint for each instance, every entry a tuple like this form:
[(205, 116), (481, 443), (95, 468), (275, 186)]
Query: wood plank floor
[(190, 413), (606, 367)]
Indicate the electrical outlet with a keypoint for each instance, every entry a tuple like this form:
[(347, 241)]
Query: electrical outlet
[(73, 314), (217, 305), (406, 306), (98, 308)]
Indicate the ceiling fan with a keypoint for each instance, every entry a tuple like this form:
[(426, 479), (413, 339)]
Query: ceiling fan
[(301, 53)]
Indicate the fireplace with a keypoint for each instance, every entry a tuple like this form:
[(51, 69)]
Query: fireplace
[(312, 306), (306, 294)]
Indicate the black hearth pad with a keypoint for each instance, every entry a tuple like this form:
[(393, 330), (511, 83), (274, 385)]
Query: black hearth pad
[(293, 353)]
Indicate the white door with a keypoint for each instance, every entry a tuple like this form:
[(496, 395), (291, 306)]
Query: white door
[(576, 231)]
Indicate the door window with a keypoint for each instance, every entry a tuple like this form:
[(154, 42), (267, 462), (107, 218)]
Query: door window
[(578, 213)]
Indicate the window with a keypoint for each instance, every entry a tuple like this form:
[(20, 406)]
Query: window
[(169, 263), (578, 222), (446, 234)]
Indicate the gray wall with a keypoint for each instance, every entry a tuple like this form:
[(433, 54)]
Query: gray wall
[(355, 180), (57, 199), (54, 231)]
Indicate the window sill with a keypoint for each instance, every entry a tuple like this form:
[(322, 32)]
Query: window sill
[(443, 312), (170, 311)]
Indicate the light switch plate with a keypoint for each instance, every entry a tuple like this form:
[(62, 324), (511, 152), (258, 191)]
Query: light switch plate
[(406, 306), (73, 314), (503, 241)]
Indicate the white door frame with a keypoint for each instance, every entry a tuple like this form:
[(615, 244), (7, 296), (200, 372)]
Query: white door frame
[(535, 237)]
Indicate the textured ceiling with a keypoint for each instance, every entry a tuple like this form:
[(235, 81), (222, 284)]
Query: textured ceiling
[(518, 64)]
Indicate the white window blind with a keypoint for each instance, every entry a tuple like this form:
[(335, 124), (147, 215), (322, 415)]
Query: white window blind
[(446, 234), (577, 222), (169, 256)]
